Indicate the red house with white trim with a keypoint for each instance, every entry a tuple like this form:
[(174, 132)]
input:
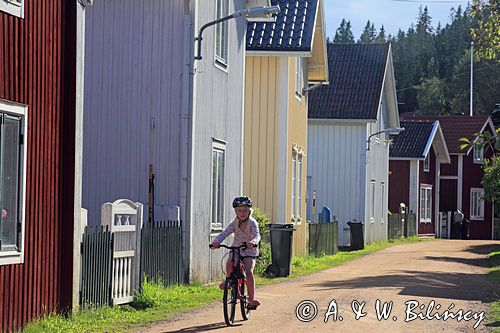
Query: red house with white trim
[(415, 158), (460, 181), (39, 149)]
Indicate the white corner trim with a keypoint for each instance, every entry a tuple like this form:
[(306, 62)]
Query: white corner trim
[(428, 146), (460, 182), (282, 169), (12, 8)]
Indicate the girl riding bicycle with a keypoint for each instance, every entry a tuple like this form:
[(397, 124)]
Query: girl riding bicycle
[(246, 230)]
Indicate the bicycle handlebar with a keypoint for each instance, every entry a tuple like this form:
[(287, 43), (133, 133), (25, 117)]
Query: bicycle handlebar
[(244, 246)]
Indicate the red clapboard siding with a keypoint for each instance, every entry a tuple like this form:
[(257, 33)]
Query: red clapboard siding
[(473, 176), (399, 184), (37, 68)]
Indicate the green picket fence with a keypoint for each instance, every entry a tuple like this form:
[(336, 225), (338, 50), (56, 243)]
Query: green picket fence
[(97, 260), (401, 225), (411, 229), (161, 252), (323, 238)]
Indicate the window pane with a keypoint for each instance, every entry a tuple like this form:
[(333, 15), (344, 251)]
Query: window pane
[(422, 204), (429, 203), (221, 30), (220, 187), (9, 197), (299, 189), (214, 187), (293, 185)]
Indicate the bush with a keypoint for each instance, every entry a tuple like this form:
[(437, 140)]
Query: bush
[(264, 259), (262, 219)]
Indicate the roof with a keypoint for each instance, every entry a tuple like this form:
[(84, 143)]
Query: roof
[(456, 127), (356, 74), (292, 31), (412, 141)]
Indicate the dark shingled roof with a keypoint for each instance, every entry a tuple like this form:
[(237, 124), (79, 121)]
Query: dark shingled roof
[(356, 78), (412, 141), (292, 31), (454, 128)]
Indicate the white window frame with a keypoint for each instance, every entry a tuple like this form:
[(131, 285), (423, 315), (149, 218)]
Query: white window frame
[(478, 155), (294, 187), (427, 163), (425, 203), (299, 79), (384, 208), (13, 7), (299, 188), (221, 36), (372, 201), (216, 221), (15, 109), (476, 203)]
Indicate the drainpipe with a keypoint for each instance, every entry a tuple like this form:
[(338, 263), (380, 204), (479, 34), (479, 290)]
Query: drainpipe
[(187, 132), (77, 200)]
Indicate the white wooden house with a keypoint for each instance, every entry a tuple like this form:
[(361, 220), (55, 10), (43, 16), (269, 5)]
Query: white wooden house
[(161, 128), (347, 173)]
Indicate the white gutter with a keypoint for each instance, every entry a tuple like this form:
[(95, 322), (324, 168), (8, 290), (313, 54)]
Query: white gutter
[(77, 199), (187, 132)]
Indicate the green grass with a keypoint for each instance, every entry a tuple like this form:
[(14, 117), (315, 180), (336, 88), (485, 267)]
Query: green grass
[(155, 302), (494, 274)]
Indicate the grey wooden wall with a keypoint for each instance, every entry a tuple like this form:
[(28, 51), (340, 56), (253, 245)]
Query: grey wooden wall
[(133, 96)]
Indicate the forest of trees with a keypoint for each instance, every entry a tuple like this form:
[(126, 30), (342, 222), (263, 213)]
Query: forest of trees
[(432, 66)]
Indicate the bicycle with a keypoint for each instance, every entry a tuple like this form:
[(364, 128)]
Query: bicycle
[(234, 287)]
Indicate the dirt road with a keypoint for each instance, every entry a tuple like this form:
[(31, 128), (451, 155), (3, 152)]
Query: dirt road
[(427, 278)]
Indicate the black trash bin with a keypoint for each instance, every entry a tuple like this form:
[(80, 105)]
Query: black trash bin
[(456, 230), (281, 236), (465, 229), (357, 239)]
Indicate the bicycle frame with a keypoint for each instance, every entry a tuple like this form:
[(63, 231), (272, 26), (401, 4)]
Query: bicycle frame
[(235, 284)]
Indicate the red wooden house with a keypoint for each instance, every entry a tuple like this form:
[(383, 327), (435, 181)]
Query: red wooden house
[(460, 181), (415, 158), (38, 140)]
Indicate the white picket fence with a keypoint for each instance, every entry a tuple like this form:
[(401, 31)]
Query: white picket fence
[(124, 218)]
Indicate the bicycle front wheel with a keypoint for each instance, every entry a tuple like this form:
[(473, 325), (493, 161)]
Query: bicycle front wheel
[(245, 313), (229, 301)]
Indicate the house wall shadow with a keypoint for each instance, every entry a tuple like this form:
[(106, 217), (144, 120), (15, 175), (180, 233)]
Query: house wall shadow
[(458, 286)]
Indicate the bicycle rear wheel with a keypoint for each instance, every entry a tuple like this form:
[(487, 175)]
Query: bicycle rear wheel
[(245, 312), (229, 300)]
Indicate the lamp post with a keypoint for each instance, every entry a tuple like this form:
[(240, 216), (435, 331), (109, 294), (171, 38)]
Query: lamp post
[(393, 130), (254, 12)]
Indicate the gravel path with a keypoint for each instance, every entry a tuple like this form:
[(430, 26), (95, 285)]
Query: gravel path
[(436, 276)]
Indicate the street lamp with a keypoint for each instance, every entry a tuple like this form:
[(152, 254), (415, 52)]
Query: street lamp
[(254, 12), (392, 130)]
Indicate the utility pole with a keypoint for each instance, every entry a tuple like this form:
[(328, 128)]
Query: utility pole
[(471, 73)]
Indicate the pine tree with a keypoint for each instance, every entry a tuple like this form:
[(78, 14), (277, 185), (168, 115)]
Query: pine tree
[(381, 36), (344, 34), (369, 34)]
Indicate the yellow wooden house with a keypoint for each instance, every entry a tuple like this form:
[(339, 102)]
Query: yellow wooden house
[(284, 60)]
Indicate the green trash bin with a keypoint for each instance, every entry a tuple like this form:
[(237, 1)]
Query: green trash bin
[(281, 236)]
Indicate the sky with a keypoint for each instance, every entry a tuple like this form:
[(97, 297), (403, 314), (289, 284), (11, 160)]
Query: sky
[(393, 14)]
